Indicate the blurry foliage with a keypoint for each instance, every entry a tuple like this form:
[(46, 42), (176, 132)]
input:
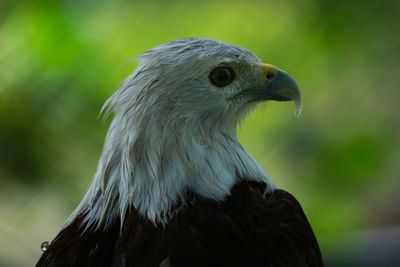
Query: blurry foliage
[(60, 60)]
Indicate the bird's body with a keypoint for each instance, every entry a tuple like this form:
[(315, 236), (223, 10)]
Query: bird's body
[(174, 187)]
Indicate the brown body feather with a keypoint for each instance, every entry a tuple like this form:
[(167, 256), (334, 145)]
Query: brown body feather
[(247, 229)]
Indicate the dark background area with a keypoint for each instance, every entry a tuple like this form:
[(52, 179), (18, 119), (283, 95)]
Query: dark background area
[(60, 60)]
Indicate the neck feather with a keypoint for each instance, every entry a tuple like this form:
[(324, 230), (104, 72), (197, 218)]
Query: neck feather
[(151, 168)]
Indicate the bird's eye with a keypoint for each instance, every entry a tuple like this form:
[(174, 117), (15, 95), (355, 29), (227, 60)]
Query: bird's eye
[(222, 76)]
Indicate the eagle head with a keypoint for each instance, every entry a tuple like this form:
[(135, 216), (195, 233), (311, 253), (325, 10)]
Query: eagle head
[(201, 82)]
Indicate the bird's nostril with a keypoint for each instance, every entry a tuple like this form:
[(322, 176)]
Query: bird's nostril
[(270, 75)]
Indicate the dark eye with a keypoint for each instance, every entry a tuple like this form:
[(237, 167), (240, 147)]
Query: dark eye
[(222, 76)]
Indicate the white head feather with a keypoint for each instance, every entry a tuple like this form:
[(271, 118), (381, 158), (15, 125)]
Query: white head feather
[(173, 131)]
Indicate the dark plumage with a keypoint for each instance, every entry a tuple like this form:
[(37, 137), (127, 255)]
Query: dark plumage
[(248, 229)]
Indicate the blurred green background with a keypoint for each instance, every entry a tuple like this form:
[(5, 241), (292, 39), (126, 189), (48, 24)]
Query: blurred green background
[(60, 60)]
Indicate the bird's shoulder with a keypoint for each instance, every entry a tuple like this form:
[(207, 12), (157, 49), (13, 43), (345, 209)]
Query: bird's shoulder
[(249, 228)]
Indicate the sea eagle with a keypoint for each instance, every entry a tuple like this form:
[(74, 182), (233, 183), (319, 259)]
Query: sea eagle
[(174, 187)]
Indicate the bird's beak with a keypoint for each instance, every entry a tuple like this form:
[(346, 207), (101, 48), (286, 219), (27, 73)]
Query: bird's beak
[(279, 86)]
